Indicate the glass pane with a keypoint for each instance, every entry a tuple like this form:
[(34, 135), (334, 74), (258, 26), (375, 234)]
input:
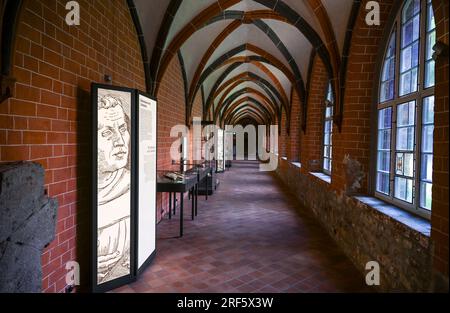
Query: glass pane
[(415, 54), (387, 91), (405, 83), (384, 92), (384, 159), (386, 67), (326, 151), (416, 27), (427, 138), (405, 139), (408, 169), (328, 125), (408, 82), (414, 77), (426, 195), (328, 112), (428, 110), (430, 18), (388, 75), (403, 189), (411, 8), (430, 74), (385, 118), (327, 139), (411, 31), (404, 164), (330, 93), (326, 164), (390, 94), (409, 60), (399, 163), (391, 48), (384, 139), (406, 114), (426, 168), (406, 59), (431, 41), (383, 183)]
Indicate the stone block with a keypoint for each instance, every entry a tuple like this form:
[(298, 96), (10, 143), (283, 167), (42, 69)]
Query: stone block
[(27, 226)]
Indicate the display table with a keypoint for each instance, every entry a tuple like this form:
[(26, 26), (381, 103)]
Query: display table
[(203, 173), (190, 182), (207, 186)]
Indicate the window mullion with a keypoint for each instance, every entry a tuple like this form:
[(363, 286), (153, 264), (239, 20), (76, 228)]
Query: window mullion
[(417, 152), (395, 104), (393, 150), (419, 99)]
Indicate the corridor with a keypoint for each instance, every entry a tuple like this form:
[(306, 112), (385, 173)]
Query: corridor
[(107, 107), (250, 236)]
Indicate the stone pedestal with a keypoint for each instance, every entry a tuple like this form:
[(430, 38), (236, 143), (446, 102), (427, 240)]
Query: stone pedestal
[(27, 226)]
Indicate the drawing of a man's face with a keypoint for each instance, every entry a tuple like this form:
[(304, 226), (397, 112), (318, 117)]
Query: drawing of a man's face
[(113, 135)]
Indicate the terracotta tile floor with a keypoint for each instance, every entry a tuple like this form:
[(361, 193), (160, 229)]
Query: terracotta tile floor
[(250, 236)]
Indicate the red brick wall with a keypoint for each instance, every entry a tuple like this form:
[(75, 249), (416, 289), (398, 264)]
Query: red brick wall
[(197, 107), (48, 118), (355, 137), (311, 146), (439, 219), (197, 112), (171, 112), (295, 125)]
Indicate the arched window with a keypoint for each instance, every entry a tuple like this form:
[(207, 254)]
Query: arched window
[(406, 111), (328, 132)]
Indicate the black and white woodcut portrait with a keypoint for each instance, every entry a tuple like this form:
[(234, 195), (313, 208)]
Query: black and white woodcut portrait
[(113, 184)]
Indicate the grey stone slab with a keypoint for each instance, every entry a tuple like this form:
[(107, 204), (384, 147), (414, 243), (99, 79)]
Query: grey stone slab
[(27, 226)]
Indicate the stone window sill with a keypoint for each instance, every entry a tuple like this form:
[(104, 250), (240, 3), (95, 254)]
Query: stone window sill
[(326, 178), (412, 221), (297, 164)]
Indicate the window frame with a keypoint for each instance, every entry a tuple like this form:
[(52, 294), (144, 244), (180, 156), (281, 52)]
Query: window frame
[(418, 97), (328, 104)]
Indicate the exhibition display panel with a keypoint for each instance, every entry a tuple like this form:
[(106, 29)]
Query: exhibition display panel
[(124, 185)]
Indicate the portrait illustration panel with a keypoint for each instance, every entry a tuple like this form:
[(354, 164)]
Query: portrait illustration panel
[(113, 184)]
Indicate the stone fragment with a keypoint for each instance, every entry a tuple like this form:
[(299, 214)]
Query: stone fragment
[(27, 226)]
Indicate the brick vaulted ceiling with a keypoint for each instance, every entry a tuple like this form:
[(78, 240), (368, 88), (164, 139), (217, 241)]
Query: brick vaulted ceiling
[(246, 56)]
